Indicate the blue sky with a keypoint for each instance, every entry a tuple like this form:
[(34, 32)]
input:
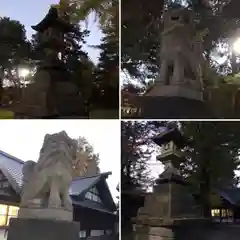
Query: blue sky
[(31, 12)]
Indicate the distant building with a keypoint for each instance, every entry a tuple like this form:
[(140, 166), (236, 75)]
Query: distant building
[(92, 201), (129, 104)]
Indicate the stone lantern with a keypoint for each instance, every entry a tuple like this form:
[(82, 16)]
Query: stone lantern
[(170, 209), (53, 94), (52, 30)]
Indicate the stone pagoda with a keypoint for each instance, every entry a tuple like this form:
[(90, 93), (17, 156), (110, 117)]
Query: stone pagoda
[(178, 89), (170, 210), (52, 94)]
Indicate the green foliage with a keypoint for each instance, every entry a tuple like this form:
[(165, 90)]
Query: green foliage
[(14, 52), (212, 156), (136, 151), (106, 83), (87, 161), (104, 88)]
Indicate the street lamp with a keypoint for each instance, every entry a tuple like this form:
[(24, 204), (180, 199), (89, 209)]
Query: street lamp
[(23, 72)]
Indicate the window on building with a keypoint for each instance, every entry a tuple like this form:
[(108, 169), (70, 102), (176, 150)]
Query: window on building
[(224, 213), (5, 184), (93, 195), (3, 215), (229, 212), (96, 233), (6, 213), (215, 212), (82, 234)]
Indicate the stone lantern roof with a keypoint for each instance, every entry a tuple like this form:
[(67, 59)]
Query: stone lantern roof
[(53, 20)]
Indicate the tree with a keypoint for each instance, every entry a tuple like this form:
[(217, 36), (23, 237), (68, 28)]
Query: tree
[(136, 151), (105, 10), (211, 157), (104, 90), (15, 51), (86, 163), (106, 84)]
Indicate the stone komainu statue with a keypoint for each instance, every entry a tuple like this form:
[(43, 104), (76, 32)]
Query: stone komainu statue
[(46, 183), (181, 52)]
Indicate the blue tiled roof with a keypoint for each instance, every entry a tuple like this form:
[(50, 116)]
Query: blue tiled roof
[(232, 195), (80, 185), (92, 205), (13, 165)]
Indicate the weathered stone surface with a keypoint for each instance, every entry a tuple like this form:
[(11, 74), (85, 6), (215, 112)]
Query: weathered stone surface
[(55, 214), (176, 91), (173, 108), (189, 231), (180, 53), (65, 99), (35, 229), (46, 182)]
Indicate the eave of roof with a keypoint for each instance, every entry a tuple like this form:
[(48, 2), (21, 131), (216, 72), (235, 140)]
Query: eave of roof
[(92, 205), (12, 157)]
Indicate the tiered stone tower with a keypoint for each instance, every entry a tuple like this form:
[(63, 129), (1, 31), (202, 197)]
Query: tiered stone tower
[(52, 95), (170, 209)]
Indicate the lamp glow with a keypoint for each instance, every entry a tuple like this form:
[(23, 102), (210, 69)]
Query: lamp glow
[(236, 46), (23, 72)]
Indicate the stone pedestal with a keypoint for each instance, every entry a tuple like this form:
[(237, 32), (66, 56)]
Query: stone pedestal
[(36, 229), (51, 95), (178, 229), (56, 214), (159, 107), (175, 91)]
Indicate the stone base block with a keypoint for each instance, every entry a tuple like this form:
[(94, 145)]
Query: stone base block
[(173, 108), (54, 214), (36, 229), (175, 91)]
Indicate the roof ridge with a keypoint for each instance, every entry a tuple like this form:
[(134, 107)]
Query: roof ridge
[(12, 157), (92, 176)]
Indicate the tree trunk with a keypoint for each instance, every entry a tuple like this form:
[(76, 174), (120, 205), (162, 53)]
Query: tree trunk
[(234, 63), (205, 183), (1, 88), (205, 192)]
